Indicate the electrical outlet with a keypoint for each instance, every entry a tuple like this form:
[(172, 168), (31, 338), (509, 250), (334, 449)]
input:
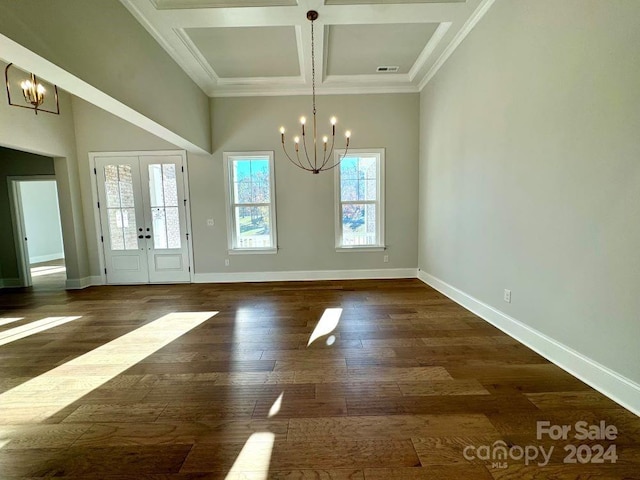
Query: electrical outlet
[(226, 262), (210, 222), (507, 295), (386, 259)]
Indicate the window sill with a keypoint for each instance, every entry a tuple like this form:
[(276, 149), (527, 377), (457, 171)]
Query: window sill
[(252, 251), (361, 249)]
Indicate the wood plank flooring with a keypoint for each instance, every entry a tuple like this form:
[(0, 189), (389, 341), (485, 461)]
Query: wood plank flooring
[(397, 390)]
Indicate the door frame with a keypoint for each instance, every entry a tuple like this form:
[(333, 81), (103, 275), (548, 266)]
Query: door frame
[(96, 212), (17, 221)]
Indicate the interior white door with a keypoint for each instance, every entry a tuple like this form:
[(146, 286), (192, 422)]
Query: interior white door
[(143, 216), (165, 216), (122, 219)]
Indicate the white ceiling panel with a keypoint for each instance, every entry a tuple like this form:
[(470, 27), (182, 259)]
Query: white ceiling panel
[(264, 47), (359, 49), (248, 51)]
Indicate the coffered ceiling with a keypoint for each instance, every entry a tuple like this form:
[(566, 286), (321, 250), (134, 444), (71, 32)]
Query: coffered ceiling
[(263, 47)]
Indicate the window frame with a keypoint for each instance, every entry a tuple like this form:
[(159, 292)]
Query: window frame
[(379, 202), (232, 241)]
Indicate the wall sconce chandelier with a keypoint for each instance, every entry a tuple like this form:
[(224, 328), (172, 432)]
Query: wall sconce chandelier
[(34, 93), (323, 162)]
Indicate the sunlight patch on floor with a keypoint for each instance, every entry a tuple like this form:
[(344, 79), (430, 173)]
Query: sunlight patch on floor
[(7, 320), (327, 324), (254, 458), (47, 394), (275, 408), (40, 271), (32, 328)]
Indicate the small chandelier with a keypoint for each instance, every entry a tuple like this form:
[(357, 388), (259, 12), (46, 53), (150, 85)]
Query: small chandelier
[(33, 92), (314, 163)]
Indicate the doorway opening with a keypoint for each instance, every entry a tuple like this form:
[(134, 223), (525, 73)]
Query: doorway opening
[(38, 232)]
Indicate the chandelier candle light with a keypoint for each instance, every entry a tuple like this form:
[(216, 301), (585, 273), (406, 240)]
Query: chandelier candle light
[(33, 92), (323, 162)]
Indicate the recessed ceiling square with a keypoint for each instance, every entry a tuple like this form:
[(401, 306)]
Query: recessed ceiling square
[(178, 4), (360, 49), (248, 51)]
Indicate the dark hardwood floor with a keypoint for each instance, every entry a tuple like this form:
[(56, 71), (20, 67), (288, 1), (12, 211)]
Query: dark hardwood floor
[(149, 382)]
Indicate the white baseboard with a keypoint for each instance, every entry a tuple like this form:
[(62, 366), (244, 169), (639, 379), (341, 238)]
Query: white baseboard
[(10, 283), (620, 389), (46, 258), (231, 277), (80, 283)]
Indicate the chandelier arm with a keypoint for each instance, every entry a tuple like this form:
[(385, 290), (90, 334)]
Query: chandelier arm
[(304, 145), (300, 163), (328, 157), (346, 150), (291, 159)]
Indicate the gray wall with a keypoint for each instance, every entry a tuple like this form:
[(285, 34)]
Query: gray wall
[(42, 220), (305, 202), (100, 42), (99, 131), (15, 163), (530, 171), (53, 136)]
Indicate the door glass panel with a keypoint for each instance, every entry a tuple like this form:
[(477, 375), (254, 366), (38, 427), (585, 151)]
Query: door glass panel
[(159, 228), (120, 207), (163, 192)]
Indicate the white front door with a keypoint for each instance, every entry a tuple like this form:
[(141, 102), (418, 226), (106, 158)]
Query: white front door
[(164, 211), (142, 208)]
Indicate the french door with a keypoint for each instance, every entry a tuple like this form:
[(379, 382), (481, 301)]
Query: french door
[(143, 218)]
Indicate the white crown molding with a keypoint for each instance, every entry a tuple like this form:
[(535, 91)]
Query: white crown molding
[(237, 91), (197, 55), (428, 49), (241, 277), (471, 22), (610, 383)]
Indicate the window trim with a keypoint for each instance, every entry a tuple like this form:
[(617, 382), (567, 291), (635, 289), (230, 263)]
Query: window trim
[(380, 202), (228, 158)]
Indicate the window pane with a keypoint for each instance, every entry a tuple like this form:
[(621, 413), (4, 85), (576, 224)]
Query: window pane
[(129, 228), (170, 185), (156, 193), (251, 181), (111, 186), (359, 224), (349, 168), (125, 182), (370, 190), (173, 227), (122, 228), (159, 228), (253, 227), (116, 236), (349, 190)]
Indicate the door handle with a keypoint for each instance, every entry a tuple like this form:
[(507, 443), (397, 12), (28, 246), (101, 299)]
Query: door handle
[(140, 236), (147, 236)]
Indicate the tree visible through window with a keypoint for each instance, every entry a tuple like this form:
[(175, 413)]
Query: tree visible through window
[(251, 200), (359, 180)]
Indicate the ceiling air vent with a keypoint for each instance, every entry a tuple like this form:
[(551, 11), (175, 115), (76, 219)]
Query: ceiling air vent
[(387, 69)]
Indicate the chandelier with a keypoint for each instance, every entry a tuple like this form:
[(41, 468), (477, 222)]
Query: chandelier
[(314, 163), (33, 92)]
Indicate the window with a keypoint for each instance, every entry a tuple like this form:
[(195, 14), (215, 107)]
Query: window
[(251, 201), (360, 199)]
